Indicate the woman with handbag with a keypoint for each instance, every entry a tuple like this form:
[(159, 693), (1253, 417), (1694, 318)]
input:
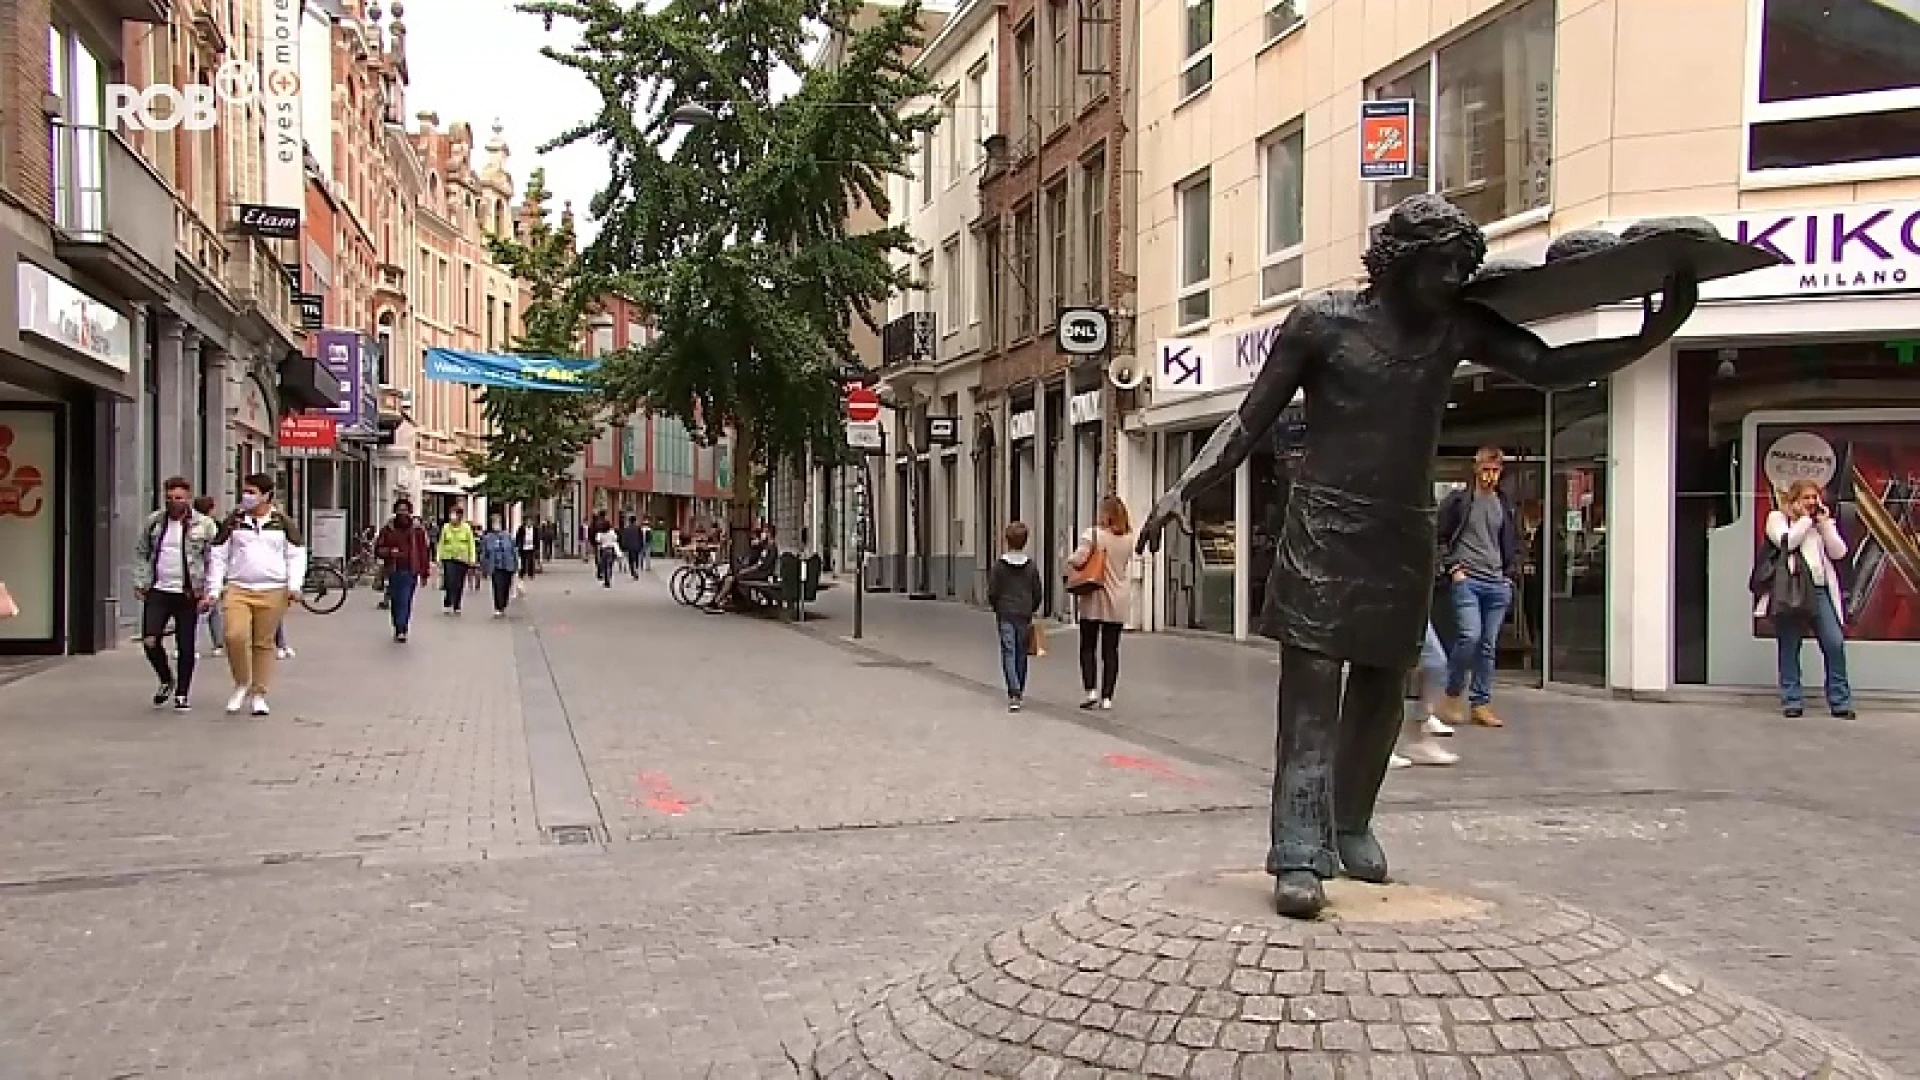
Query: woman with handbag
[(1803, 596), (1097, 577)]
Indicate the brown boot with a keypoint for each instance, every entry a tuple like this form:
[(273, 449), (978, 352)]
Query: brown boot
[(1452, 708), (1484, 717)]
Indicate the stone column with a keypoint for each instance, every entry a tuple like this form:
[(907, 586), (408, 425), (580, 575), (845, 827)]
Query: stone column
[(175, 347), (132, 468), (214, 469)]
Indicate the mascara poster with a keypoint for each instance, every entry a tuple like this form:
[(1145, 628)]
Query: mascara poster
[(1869, 473)]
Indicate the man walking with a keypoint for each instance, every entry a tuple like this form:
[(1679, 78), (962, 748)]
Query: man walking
[(646, 542), (257, 562), (170, 578), (527, 539), (458, 554), (1481, 556), (630, 545), (549, 537), (402, 548)]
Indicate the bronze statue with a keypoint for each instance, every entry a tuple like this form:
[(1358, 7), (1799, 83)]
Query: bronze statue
[(1353, 577)]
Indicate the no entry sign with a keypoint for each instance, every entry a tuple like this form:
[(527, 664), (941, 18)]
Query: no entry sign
[(863, 405)]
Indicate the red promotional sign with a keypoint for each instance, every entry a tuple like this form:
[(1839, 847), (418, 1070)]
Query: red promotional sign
[(308, 435), (863, 405)]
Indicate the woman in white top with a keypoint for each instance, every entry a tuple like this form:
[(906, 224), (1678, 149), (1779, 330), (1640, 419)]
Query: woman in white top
[(1806, 528)]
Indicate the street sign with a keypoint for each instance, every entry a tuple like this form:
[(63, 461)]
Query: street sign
[(863, 406), (865, 435), (1083, 331)]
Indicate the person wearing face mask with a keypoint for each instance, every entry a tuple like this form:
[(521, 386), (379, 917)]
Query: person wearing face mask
[(170, 578), (257, 562), (458, 557), (402, 548)]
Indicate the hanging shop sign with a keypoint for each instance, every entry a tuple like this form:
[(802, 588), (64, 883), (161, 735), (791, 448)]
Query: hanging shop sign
[(1084, 408), (56, 311), (270, 222), (1020, 425), (285, 169), (1083, 331), (556, 373), (308, 435), (1386, 139), (340, 354), (312, 310), (943, 431)]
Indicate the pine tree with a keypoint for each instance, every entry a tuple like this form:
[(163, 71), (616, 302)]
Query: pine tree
[(734, 233), (536, 434)]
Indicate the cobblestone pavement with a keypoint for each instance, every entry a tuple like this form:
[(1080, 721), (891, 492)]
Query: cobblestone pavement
[(791, 828)]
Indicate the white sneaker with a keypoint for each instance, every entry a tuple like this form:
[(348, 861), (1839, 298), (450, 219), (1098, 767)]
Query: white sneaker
[(1398, 762), (260, 705), (1106, 703), (285, 654), (239, 699), (1430, 753), (1433, 725), (219, 651)]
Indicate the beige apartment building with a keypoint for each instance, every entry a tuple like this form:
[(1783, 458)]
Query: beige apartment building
[(1790, 125)]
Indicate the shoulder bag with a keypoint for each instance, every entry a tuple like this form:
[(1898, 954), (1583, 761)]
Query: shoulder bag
[(1092, 574), (1792, 588)]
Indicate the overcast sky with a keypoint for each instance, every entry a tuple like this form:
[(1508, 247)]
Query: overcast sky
[(479, 61)]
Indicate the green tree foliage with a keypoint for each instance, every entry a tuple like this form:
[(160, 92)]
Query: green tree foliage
[(734, 233), (535, 434)]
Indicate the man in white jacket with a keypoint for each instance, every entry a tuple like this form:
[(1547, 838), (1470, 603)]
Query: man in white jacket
[(258, 561)]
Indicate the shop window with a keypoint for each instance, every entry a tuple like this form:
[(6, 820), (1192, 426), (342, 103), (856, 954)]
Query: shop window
[(1196, 252), (1283, 205), (1283, 16), (1836, 83), (1196, 71), (1483, 118)]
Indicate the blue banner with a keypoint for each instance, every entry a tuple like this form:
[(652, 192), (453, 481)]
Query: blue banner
[(557, 373)]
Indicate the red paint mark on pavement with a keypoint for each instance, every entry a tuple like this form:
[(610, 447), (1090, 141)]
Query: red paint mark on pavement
[(1153, 767), (559, 628), (657, 794)]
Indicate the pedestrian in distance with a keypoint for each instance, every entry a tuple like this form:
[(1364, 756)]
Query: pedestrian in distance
[(205, 507), (1418, 734), (632, 543), (402, 548), (458, 556), (1807, 544), (527, 539), (606, 548), (646, 542), (1097, 576), (1481, 558), (1013, 592), (499, 561), (257, 563), (170, 579)]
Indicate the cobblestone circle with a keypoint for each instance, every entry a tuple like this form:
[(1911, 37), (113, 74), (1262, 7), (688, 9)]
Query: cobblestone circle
[(1152, 979)]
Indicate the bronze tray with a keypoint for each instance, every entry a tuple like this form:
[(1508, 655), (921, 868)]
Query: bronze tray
[(1628, 270)]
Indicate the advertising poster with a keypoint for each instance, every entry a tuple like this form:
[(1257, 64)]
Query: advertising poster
[(1870, 473), (28, 501), (340, 354), (1386, 139)]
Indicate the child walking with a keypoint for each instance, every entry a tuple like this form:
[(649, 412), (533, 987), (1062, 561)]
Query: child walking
[(1013, 591)]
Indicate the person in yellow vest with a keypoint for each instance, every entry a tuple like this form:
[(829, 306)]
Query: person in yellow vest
[(458, 555)]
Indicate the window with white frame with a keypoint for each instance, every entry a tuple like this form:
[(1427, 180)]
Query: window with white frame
[(1195, 203), (1024, 105), (1284, 15), (1283, 204), (1093, 228), (1060, 79), (1196, 71), (924, 272), (986, 294), (976, 101), (950, 109), (952, 274), (1482, 118), (1834, 83), (1059, 253), (926, 167), (1026, 271)]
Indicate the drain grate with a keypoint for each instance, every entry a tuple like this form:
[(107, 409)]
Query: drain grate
[(573, 835), (893, 663)]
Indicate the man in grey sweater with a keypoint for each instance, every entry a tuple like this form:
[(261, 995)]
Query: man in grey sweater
[(1480, 548)]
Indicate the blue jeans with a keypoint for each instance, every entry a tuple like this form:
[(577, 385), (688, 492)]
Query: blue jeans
[(1433, 667), (1479, 610), (401, 585), (1013, 653), (1790, 634)]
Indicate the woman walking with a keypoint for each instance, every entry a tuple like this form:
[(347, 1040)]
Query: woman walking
[(455, 548), (1097, 576), (1803, 531), (499, 561), (606, 548)]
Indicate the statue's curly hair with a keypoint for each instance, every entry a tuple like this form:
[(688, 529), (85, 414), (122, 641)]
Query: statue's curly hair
[(1418, 223)]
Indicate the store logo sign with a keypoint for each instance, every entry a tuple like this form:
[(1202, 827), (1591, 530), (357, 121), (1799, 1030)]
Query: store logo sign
[(52, 309), (1828, 251)]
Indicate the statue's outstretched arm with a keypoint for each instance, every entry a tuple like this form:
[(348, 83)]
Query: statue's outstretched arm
[(1516, 352)]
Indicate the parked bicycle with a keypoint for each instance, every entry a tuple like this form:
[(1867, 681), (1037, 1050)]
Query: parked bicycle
[(694, 584), (325, 589)]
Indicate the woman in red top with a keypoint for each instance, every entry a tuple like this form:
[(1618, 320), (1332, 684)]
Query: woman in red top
[(402, 548)]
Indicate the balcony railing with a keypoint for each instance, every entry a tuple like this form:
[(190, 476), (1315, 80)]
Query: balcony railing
[(261, 284), (111, 209), (909, 339)]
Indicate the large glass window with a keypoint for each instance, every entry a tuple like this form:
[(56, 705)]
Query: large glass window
[(1284, 15), (952, 278), (1026, 275), (1060, 80), (1196, 251), (1196, 71), (1281, 165), (1199, 587), (1059, 254), (1483, 118), (1093, 226), (1837, 82), (1577, 516), (976, 100), (1023, 100)]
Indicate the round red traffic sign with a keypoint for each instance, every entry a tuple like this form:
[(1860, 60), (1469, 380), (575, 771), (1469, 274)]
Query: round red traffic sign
[(863, 405)]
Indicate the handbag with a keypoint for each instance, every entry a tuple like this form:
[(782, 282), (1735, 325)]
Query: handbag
[(1792, 588), (8, 609), (1091, 574), (1036, 639)]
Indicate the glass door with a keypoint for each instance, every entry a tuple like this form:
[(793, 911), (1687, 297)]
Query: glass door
[(1576, 529)]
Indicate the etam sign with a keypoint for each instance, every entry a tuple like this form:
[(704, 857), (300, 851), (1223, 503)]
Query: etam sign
[(1863, 248)]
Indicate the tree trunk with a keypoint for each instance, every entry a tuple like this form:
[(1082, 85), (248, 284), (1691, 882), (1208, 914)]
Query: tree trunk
[(740, 511)]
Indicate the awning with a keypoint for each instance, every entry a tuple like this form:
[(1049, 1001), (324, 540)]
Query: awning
[(306, 384)]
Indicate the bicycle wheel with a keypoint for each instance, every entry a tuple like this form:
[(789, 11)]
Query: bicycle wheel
[(684, 585), (324, 590), (709, 589)]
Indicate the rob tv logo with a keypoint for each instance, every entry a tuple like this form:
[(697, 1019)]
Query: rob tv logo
[(194, 107)]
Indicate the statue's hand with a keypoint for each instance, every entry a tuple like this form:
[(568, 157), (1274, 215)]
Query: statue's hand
[(1171, 507), (1678, 297)]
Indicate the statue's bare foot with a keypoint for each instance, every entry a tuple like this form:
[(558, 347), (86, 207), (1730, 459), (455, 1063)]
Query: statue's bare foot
[(1360, 854), (1297, 894)]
